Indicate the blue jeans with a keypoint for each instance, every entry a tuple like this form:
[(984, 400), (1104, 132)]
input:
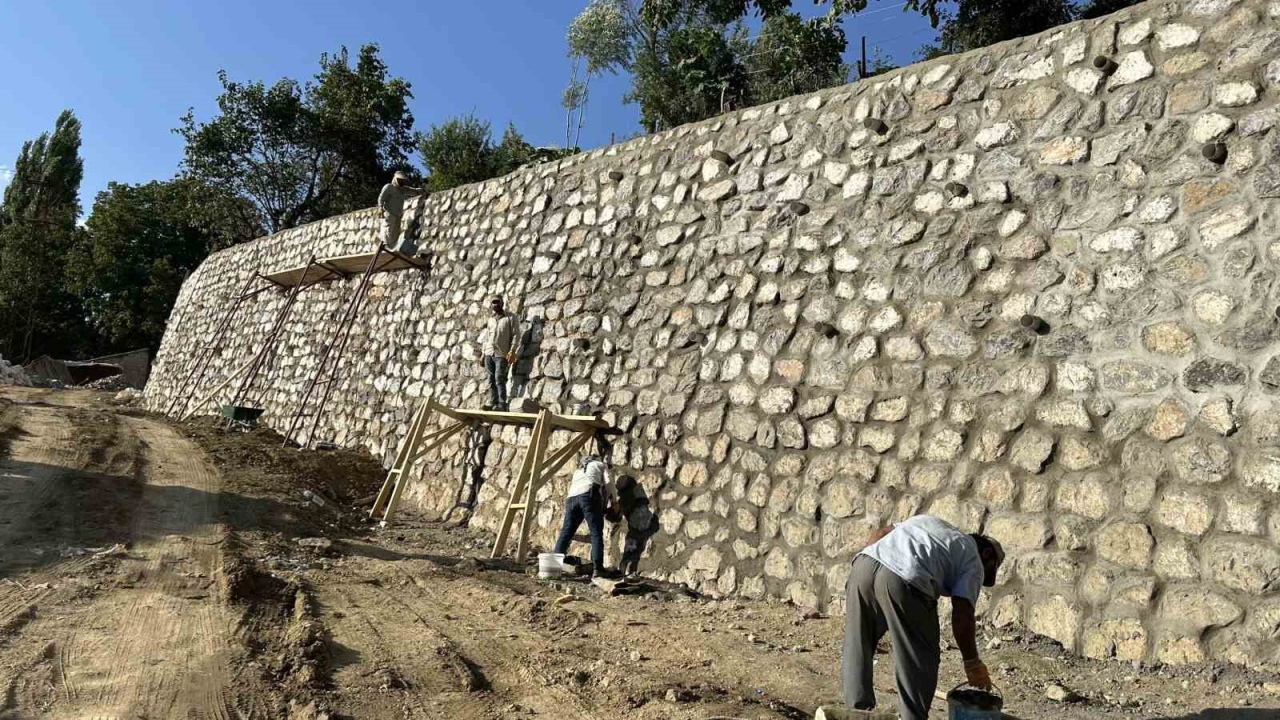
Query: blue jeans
[(496, 367), (589, 507)]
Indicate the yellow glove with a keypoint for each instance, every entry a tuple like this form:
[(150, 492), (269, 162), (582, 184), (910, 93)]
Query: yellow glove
[(975, 671), (511, 358)]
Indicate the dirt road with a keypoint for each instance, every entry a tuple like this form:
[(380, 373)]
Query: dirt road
[(150, 570)]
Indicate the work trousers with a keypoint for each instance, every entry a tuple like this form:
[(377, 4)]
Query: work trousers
[(496, 367), (589, 507), (392, 240), (878, 601)]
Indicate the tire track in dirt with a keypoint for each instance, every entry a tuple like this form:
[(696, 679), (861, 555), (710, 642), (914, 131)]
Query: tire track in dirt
[(159, 644), (44, 449), (375, 656), (501, 655)]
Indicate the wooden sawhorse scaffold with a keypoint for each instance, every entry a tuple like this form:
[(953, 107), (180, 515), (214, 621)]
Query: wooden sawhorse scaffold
[(538, 467)]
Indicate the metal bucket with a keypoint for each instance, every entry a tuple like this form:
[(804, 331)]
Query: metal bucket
[(967, 703)]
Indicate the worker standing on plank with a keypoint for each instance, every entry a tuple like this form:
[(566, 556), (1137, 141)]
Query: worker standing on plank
[(894, 587), (391, 201), (502, 345), (589, 491)]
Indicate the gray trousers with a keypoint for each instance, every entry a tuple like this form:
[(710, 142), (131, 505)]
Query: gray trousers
[(878, 601)]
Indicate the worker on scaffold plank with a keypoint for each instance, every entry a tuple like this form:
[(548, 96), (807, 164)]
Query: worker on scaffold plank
[(501, 343), (391, 201)]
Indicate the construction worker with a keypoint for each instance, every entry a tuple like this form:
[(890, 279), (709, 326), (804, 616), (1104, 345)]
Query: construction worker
[(502, 345), (391, 201), (894, 587), (589, 492)]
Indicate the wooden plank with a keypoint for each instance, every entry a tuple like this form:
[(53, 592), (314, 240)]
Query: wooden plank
[(397, 467), (193, 409), (555, 462), (436, 435), (567, 422), (541, 434), (404, 478), (337, 268), (514, 499)]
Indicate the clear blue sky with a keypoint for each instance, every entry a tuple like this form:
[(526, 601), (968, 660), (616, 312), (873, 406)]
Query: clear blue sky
[(130, 69)]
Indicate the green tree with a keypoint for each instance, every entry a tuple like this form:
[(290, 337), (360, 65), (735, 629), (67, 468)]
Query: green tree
[(512, 153), (727, 11), (697, 73), (37, 231), (978, 23), (1098, 8), (461, 151), (600, 40), (301, 152), (792, 56), (457, 152), (139, 244)]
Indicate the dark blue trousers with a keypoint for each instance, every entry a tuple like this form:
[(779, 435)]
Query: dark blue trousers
[(589, 507)]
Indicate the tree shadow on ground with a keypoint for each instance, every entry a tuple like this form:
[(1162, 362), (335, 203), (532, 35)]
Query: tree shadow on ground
[(49, 513)]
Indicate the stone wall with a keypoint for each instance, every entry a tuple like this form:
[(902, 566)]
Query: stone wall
[(807, 330)]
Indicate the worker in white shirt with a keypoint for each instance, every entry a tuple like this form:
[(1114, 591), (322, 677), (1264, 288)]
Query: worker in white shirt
[(391, 201), (589, 492), (894, 588), (502, 346)]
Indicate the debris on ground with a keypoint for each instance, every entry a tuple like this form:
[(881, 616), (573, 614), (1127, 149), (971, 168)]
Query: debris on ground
[(13, 374), (111, 383), (318, 544), (127, 396), (1058, 692)]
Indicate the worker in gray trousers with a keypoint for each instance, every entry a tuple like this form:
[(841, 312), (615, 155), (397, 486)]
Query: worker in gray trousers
[(894, 587), (391, 201)]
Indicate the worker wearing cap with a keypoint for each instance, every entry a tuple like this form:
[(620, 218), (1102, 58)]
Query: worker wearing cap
[(502, 346), (391, 201), (894, 587)]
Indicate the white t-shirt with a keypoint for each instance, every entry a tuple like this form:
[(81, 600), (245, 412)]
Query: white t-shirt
[(932, 556), (595, 473)]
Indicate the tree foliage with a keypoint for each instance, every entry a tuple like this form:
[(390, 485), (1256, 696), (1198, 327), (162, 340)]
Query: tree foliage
[(301, 152), (727, 11), (691, 59), (602, 35), (1098, 8), (139, 245), (792, 56), (461, 151), (37, 231), (978, 23)]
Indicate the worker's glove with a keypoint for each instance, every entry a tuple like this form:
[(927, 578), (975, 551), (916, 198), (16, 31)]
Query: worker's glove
[(511, 358), (975, 671)]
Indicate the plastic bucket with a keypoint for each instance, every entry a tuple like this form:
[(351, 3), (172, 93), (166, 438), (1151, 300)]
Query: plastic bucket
[(967, 703), (550, 565)]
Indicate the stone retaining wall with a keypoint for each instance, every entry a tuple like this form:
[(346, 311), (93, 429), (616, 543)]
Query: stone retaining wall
[(808, 330)]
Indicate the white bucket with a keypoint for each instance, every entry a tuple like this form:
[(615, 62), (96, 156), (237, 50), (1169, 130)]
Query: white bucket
[(550, 565)]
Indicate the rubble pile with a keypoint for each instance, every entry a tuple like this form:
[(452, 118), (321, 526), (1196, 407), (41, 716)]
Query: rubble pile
[(13, 374)]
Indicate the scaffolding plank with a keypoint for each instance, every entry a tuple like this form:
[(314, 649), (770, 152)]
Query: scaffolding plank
[(339, 268)]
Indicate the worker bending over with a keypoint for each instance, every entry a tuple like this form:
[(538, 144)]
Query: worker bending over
[(501, 350), (589, 491), (894, 587), (391, 201)]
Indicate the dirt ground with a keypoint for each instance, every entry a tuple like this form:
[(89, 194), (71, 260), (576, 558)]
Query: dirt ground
[(155, 570)]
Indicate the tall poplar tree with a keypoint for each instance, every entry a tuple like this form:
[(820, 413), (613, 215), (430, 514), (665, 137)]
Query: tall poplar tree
[(37, 232)]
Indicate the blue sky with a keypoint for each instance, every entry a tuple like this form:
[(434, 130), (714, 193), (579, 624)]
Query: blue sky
[(130, 69)]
